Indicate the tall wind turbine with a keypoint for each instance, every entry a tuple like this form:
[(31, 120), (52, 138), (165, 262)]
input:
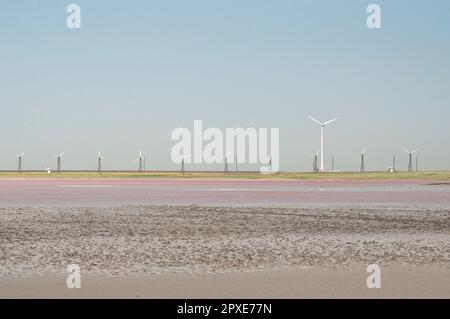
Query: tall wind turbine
[(410, 163), (19, 158), (99, 162), (363, 166), (58, 161), (322, 129)]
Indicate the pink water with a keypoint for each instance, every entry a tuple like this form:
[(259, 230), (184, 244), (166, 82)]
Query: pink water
[(110, 192)]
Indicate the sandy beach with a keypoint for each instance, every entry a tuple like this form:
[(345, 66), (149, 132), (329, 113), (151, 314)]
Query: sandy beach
[(198, 251)]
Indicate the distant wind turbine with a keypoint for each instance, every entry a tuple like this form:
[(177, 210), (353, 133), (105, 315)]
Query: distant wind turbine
[(410, 163), (58, 161), (322, 129), (140, 161), (315, 161), (99, 162), (363, 166), (19, 158), (225, 169), (182, 163)]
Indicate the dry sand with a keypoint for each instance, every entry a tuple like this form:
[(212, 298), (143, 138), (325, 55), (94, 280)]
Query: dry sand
[(192, 251)]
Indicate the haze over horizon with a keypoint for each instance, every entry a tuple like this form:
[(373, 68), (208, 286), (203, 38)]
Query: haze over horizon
[(136, 71)]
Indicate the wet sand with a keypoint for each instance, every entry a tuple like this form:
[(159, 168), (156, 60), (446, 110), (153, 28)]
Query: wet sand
[(199, 251), (292, 282)]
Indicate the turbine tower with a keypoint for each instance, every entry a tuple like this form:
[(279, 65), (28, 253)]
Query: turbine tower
[(410, 163), (314, 162), (99, 162), (19, 158), (182, 164), (322, 129), (363, 166), (141, 159), (58, 161), (225, 169)]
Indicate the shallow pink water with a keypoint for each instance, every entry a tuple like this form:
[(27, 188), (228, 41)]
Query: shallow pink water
[(109, 192)]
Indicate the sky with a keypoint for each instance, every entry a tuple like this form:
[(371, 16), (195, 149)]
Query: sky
[(136, 70)]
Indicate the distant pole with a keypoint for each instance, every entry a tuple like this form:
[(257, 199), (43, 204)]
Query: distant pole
[(144, 164), (417, 163), (140, 164), (182, 166), (332, 163), (236, 164), (393, 162)]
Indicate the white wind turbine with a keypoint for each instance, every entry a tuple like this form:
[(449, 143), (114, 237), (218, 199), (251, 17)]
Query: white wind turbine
[(410, 164), (99, 161), (322, 129), (140, 161), (58, 161), (363, 166), (315, 158), (19, 158)]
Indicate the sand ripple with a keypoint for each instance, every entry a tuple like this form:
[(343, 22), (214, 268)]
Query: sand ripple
[(141, 240)]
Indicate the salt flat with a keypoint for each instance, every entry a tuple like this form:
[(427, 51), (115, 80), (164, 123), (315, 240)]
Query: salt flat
[(192, 239)]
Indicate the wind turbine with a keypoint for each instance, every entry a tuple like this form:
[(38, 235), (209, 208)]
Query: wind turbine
[(182, 163), (393, 163), (19, 166), (225, 169), (99, 162), (410, 163), (363, 166), (322, 129), (58, 161), (140, 161), (314, 163)]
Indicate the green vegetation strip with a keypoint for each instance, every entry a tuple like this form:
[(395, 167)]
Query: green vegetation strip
[(443, 175)]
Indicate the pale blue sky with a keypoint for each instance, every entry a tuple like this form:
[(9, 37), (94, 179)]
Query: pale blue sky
[(138, 69)]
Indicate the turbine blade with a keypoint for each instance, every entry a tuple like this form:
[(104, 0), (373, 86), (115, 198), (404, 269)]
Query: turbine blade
[(313, 119), (406, 150), (415, 151), (331, 121)]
